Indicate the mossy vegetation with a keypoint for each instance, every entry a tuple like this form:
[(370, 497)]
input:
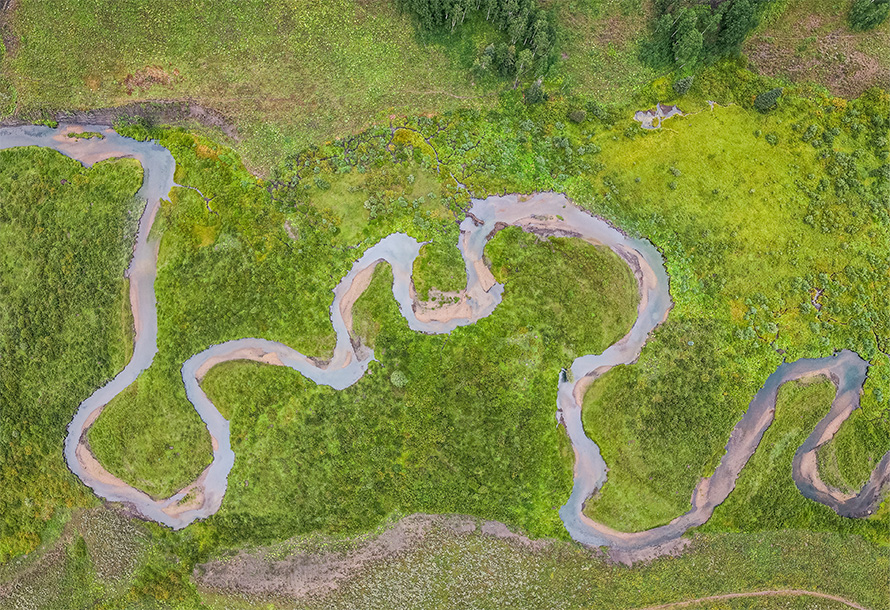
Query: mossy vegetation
[(765, 497), (66, 234), (444, 423), (86, 135)]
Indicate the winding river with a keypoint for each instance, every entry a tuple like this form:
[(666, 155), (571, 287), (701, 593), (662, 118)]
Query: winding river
[(543, 214)]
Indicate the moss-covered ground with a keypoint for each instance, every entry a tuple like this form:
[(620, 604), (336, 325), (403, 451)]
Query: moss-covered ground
[(65, 238), (469, 424)]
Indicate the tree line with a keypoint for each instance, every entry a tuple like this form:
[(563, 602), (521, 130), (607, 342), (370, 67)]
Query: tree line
[(687, 33), (527, 31)]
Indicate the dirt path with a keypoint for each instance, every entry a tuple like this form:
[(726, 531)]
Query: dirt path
[(773, 593)]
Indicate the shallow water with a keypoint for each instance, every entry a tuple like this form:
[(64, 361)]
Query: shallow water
[(544, 213)]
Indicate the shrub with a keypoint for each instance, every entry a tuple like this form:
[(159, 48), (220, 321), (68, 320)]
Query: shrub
[(772, 138), (868, 14), (681, 87), (598, 110), (577, 116), (399, 379), (534, 94), (766, 100)]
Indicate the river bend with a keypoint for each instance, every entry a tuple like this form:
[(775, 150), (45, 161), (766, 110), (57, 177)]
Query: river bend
[(543, 214)]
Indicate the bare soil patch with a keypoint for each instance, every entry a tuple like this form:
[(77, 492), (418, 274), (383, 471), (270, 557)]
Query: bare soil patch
[(155, 113), (816, 47), (302, 573), (149, 76)]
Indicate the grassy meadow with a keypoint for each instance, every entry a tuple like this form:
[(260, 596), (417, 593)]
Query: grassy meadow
[(774, 226), (104, 559), (288, 73), (66, 235), (469, 423), (812, 40), (748, 208), (474, 570), (765, 497)]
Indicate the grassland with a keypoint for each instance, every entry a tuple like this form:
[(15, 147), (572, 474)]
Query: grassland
[(774, 226), (473, 570), (289, 74), (600, 44), (65, 237), (472, 429), (812, 41), (741, 292), (765, 497), (133, 566), (747, 207), (439, 266), (243, 243)]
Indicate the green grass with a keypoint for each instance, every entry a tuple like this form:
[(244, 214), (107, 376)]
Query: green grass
[(811, 40), (750, 230), (746, 241), (599, 42), (86, 135), (65, 239), (150, 436), (661, 440), (472, 430), (149, 568), (847, 461), (456, 571), (288, 73), (440, 266), (157, 454), (765, 497)]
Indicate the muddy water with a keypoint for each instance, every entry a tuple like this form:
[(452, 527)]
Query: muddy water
[(546, 214)]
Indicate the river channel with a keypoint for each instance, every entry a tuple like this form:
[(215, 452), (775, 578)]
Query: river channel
[(543, 214)]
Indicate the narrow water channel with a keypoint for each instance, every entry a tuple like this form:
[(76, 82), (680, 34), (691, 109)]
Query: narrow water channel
[(544, 214)]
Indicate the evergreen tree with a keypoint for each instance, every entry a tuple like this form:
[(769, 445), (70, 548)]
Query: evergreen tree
[(766, 100), (687, 39), (659, 50), (541, 38), (534, 94), (681, 86), (524, 61), (525, 26), (737, 22)]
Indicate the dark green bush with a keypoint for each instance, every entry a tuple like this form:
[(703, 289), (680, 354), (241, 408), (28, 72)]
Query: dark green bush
[(868, 14), (681, 87), (534, 94), (598, 110), (767, 100), (577, 116)]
